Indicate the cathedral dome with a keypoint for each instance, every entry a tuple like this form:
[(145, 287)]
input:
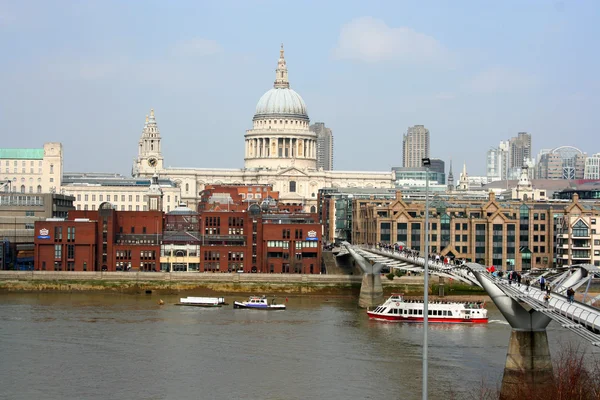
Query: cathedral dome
[(281, 102)]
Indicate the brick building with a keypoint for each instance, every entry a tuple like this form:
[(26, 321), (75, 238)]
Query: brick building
[(239, 234), (103, 239), (507, 234)]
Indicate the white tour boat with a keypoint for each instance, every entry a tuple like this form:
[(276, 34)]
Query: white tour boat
[(259, 303), (202, 301), (396, 308)]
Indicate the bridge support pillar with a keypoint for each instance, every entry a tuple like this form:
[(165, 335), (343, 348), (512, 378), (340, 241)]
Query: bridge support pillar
[(528, 364), (371, 291)]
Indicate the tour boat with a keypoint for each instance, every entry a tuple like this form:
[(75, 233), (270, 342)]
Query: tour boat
[(259, 303), (202, 301), (397, 309)]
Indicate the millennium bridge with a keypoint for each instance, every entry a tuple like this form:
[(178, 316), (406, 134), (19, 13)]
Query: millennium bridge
[(523, 306)]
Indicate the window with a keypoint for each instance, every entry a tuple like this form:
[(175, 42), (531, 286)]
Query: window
[(122, 197), (137, 197), (101, 197), (457, 227), (58, 233), (70, 251), (57, 251), (93, 197), (51, 168), (580, 229), (292, 186), (86, 197)]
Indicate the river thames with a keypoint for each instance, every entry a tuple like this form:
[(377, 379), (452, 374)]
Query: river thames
[(112, 346)]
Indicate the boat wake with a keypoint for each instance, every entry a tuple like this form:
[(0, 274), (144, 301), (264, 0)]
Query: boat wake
[(497, 321)]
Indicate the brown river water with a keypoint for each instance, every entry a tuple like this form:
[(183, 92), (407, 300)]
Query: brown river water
[(114, 346)]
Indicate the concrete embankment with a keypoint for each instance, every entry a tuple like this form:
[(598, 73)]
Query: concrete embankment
[(139, 282)]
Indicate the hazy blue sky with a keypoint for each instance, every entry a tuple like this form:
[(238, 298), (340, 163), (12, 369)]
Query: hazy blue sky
[(86, 73)]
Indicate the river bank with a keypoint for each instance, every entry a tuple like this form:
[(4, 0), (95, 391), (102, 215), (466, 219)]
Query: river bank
[(172, 283)]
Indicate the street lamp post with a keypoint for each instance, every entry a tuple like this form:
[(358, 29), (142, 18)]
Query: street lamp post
[(426, 164)]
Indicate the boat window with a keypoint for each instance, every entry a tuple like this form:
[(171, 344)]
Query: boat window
[(390, 311), (420, 312)]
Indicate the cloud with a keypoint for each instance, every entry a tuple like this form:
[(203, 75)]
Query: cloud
[(445, 96), (501, 79), (370, 40), (197, 47)]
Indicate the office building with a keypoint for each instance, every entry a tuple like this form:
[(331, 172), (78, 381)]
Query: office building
[(324, 146), (415, 146)]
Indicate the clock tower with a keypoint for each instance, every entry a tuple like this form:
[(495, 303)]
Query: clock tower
[(149, 160)]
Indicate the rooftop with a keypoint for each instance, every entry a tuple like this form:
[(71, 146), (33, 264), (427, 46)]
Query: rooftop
[(22, 154)]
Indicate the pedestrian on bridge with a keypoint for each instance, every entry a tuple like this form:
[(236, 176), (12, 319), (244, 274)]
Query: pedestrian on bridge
[(518, 278), (527, 283), (542, 284), (570, 295)]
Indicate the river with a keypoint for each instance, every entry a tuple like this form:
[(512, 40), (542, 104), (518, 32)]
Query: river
[(113, 346)]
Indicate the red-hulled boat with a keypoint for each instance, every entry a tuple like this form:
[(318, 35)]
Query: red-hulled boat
[(397, 309)]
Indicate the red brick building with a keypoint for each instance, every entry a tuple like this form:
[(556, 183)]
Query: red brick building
[(103, 239), (245, 228), (230, 232)]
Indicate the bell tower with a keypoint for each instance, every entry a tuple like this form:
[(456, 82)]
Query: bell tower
[(149, 160)]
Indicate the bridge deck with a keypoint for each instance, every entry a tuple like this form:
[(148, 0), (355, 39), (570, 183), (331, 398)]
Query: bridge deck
[(580, 318)]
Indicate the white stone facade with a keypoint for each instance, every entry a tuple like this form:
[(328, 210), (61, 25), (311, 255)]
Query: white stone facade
[(122, 198), (32, 170), (280, 150)]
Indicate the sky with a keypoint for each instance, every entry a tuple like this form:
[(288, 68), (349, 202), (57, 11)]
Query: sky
[(86, 73)]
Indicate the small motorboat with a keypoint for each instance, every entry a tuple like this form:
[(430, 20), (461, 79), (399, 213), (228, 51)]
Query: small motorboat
[(259, 303), (398, 309), (202, 301)]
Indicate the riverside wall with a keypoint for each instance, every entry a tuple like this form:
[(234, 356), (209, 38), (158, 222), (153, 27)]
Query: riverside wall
[(174, 282)]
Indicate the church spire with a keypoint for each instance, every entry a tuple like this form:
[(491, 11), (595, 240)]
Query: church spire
[(450, 178), (281, 73)]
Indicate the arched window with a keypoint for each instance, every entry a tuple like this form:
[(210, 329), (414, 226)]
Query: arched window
[(51, 168), (39, 189), (292, 186), (187, 187), (22, 188), (313, 209)]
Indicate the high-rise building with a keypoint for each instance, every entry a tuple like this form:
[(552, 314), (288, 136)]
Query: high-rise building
[(415, 146), (519, 154), (520, 149), (592, 167), (497, 162), (324, 146)]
